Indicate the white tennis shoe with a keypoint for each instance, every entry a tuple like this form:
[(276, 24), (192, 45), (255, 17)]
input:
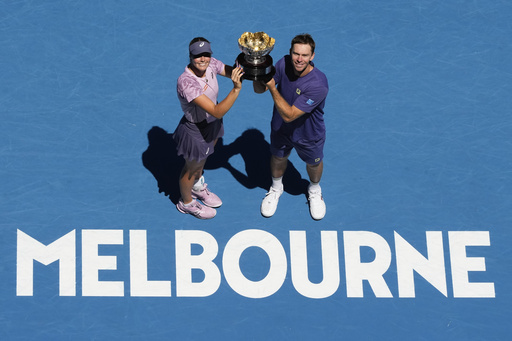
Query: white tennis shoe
[(316, 205), (269, 203)]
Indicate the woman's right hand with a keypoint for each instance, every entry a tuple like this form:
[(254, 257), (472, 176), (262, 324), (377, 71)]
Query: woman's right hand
[(236, 77)]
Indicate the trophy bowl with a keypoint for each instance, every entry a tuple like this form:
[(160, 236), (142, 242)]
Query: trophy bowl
[(255, 58)]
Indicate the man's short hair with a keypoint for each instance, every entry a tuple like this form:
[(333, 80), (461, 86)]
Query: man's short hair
[(304, 38)]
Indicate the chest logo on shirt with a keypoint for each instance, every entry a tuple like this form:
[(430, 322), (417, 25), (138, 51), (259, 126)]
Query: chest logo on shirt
[(206, 81), (297, 91)]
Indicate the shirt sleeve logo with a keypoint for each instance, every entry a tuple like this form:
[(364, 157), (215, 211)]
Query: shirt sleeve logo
[(310, 102)]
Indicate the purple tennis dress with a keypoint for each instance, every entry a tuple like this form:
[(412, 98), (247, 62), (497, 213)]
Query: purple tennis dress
[(197, 131), (307, 133)]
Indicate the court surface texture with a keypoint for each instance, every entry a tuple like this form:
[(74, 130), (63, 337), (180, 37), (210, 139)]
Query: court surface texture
[(417, 177)]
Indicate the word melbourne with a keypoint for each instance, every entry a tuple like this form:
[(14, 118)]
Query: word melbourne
[(196, 251)]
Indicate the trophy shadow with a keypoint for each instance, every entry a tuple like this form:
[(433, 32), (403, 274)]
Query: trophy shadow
[(162, 160)]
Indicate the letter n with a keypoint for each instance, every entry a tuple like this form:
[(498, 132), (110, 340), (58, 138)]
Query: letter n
[(63, 250)]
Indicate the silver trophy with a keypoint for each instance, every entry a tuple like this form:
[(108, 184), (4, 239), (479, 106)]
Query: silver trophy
[(255, 58)]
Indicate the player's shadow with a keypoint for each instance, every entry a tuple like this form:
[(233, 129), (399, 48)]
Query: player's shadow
[(161, 159), (255, 152)]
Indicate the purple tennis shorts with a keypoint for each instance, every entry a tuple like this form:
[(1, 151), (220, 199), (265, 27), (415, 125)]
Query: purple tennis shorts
[(311, 152), (196, 141)]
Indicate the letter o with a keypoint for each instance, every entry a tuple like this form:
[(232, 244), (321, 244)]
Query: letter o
[(231, 263)]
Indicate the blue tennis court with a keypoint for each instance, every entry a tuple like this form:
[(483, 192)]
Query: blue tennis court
[(417, 179)]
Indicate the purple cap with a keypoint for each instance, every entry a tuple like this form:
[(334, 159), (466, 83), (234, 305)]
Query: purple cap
[(200, 47)]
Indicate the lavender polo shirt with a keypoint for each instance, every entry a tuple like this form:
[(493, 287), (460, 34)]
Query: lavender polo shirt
[(190, 87), (307, 93)]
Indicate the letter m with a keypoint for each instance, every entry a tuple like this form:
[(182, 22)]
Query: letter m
[(29, 249)]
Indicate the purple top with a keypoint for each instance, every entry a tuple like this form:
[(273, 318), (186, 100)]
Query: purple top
[(307, 93), (190, 87)]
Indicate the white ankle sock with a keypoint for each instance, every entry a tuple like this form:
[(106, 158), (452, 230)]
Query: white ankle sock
[(314, 187), (277, 183), (190, 203), (199, 184)]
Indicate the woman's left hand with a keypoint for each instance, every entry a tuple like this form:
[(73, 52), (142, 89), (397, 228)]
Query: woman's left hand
[(236, 77)]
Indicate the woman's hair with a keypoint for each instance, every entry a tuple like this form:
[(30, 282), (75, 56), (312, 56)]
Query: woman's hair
[(196, 39), (304, 38)]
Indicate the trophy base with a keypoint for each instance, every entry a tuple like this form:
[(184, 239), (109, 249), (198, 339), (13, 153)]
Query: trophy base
[(255, 72)]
